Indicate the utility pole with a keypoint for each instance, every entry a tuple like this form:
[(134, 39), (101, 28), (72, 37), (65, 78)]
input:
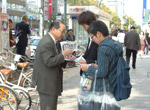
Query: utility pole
[(122, 20), (65, 11), (42, 18)]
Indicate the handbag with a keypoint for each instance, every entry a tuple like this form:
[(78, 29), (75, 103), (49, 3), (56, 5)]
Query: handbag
[(92, 100)]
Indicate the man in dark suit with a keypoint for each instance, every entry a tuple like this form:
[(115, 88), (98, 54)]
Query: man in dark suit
[(47, 72), (90, 56), (132, 44), (21, 30)]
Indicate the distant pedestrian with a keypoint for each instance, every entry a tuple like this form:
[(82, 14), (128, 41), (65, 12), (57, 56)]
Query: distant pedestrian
[(121, 36), (47, 72), (90, 55), (114, 36), (11, 40), (70, 36), (132, 44), (22, 29), (148, 41), (143, 42)]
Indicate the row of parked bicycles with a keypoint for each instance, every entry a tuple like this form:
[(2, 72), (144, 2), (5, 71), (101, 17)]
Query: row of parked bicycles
[(17, 93)]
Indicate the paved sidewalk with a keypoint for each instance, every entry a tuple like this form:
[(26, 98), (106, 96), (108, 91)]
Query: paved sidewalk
[(140, 96)]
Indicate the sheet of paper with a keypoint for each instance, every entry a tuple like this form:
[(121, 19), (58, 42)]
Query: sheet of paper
[(78, 59)]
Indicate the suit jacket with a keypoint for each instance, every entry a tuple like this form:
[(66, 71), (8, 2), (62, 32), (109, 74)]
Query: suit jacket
[(21, 30), (132, 40), (47, 72), (90, 54)]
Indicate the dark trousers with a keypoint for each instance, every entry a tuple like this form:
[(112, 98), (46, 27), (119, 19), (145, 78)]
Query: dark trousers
[(20, 49), (48, 102), (128, 55), (146, 49)]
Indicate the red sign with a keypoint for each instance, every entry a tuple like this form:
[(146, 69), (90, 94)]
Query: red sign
[(50, 9), (76, 10)]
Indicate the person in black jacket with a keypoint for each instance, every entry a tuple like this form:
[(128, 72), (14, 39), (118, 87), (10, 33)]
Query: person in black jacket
[(148, 41), (70, 36), (90, 56), (21, 31)]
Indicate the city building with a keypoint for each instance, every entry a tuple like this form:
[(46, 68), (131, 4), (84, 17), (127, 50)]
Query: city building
[(117, 6), (15, 9)]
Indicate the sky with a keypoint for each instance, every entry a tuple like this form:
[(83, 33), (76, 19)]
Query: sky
[(133, 8)]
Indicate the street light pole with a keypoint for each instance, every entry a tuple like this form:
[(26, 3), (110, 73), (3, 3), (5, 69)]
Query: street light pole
[(42, 18), (65, 10)]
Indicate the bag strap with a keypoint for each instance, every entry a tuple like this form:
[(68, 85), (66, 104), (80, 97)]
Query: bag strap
[(95, 81)]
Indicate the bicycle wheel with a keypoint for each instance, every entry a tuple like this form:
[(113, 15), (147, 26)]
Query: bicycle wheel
[(8, 98), (26, 81), (23, 98)]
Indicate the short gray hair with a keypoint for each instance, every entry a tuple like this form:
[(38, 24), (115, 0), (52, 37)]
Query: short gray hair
[(25, 17), (55, 24)]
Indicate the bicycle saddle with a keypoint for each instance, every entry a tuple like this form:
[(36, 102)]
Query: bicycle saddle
[(23, 64), (5, 71)]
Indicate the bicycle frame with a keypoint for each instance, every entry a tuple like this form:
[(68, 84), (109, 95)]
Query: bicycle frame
[(5, 91)]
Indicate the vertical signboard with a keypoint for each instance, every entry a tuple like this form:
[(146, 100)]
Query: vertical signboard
[(4, 31), (46, 13), (146, 17), (144, 8), (4, 6)]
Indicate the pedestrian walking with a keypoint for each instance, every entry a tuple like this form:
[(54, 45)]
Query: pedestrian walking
[(11, 40), (132, 44), (114, 36), (148, 43), (47, 72), (90, 55), (106, 60), (143, 42), (21, 31)]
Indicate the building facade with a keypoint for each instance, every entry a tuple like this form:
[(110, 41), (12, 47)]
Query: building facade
[(72, 16), (15, 9)]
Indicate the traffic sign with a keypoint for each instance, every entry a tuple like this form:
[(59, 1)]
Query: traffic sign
[(31, 17)]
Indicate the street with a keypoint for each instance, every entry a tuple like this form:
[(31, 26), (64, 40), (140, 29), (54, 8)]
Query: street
[(140, 95)]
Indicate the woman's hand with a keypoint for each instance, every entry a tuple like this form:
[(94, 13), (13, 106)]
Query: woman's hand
[(94, 65), (84, 67), (82, 61)]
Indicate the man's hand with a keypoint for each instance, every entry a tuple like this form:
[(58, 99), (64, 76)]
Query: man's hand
[(67, 52), (71, 57), (84, 67)]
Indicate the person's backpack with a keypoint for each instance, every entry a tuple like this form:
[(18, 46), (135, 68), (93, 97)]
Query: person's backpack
[(122, 86)]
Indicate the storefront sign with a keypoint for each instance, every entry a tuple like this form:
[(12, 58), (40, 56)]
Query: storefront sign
[(76, 10), (4, 31)]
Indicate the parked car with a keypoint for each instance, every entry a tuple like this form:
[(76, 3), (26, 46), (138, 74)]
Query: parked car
[(33, 45)]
